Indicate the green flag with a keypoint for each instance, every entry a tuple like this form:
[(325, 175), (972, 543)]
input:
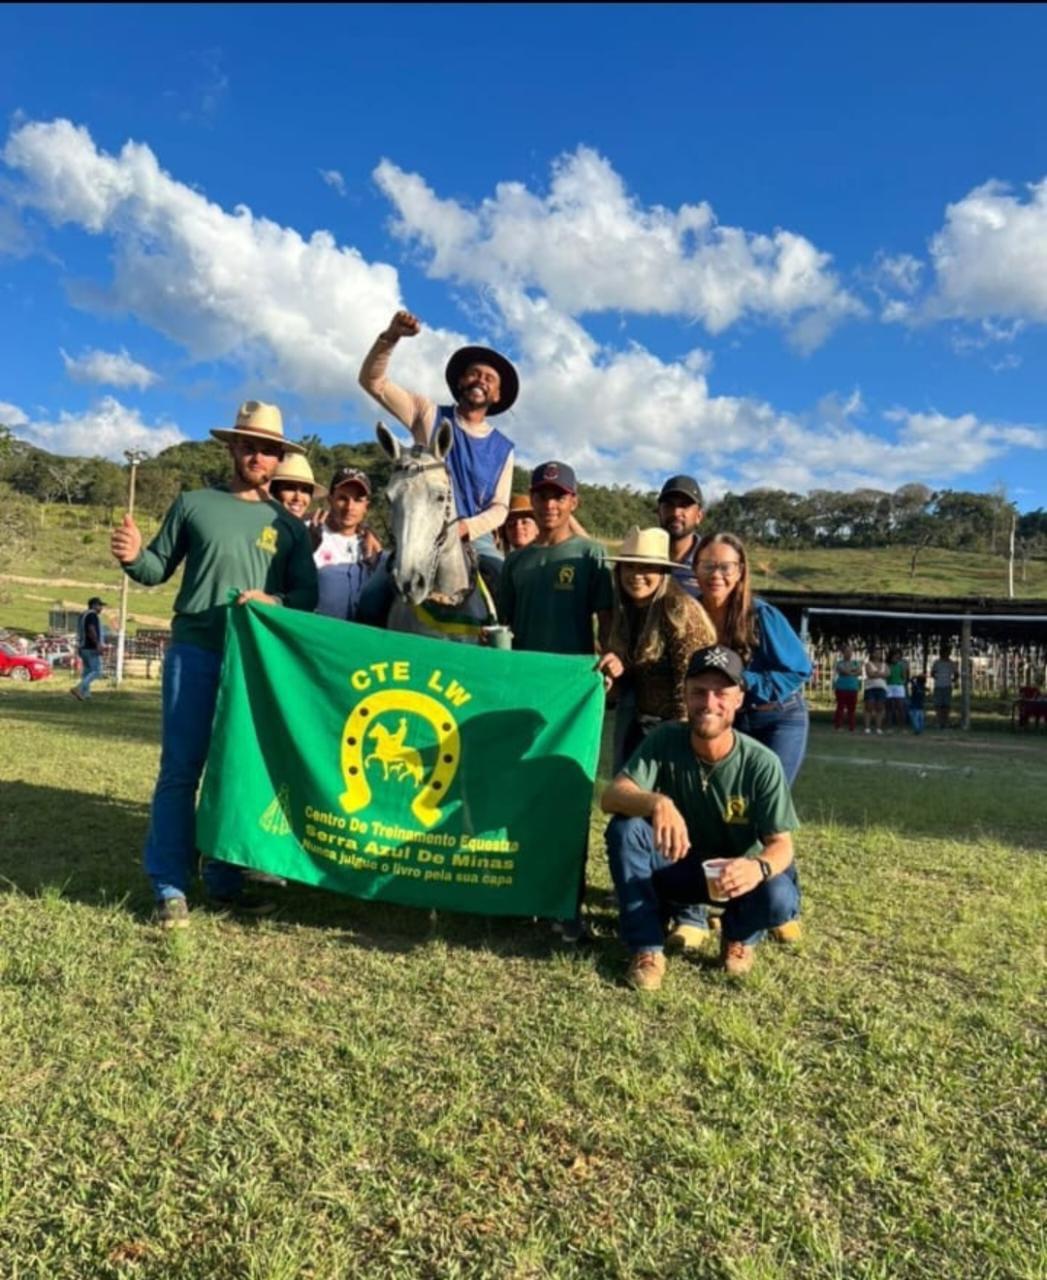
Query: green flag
[(395, 767)]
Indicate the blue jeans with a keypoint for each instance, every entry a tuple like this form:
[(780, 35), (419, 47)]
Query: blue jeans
[(628, 735), (648, 885), (784, 729), (190, 687), (92, 661), (916, 719)]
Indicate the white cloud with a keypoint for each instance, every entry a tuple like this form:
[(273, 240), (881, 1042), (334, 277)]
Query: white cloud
[(928, 447), (589, 246), (990, 257), (105, 430), (630, 417), (333, 179), (111, 368), (901, 273), (11, 415), (296, 313)]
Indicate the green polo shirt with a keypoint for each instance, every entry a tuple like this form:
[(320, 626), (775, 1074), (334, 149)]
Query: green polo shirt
[(747, 796), (548, 595), (227, 543)]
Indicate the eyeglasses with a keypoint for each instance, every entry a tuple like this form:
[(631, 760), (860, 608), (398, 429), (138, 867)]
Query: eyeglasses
[(725, 568)]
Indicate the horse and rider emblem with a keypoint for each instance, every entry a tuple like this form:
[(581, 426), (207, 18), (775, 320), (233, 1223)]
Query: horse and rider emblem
[(398, 760), (423, 752)]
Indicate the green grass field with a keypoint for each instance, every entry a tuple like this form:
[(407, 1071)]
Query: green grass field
[(351, 1090)]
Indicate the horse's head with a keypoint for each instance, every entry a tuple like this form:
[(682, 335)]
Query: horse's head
[(422, 510)]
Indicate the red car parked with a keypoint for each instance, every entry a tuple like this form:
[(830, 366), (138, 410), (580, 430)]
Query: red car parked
[(21, 667)]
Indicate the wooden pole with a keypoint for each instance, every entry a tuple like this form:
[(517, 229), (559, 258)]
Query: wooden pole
[(121, 641)]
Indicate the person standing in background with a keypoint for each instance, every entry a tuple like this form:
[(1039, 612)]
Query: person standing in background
[(917, 701), (897, 683), (943, 676), (876, 673), (90, 645), (846, 683)]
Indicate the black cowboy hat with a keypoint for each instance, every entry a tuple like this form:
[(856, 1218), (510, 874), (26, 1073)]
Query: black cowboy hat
[(465, 356)]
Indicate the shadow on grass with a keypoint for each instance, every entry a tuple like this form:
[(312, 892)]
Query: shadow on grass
[(128, 715), (88, 848)]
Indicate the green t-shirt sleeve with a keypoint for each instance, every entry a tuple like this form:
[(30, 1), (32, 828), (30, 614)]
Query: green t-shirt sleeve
[(774, 811), (165, 553), (644, 766)]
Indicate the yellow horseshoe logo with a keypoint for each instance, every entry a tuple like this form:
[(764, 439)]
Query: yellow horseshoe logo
[(426, 805)]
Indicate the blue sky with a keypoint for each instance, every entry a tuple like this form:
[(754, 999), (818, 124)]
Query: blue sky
[(793, 246)]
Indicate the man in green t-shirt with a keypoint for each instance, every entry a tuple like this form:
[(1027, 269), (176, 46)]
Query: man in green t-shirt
[(231, 539), (693, 792), (552, 592)]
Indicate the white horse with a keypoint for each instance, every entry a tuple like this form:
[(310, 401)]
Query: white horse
[(439, 589)]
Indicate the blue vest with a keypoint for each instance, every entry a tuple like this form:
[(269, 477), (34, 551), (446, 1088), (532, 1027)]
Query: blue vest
[(474, 465)]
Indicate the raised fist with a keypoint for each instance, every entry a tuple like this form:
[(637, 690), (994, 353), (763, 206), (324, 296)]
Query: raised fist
[(126, 541), (403, 325)]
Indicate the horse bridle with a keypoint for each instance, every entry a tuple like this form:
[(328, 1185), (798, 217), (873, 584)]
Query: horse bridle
[(414, 466)]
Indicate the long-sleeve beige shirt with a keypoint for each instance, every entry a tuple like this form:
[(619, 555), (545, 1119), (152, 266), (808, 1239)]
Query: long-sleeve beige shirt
[(418, 414)]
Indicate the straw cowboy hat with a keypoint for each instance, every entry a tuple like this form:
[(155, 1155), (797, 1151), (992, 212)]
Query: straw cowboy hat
[(256, 420), (645, 546), (520, 505), (465, 356), (295, 468)]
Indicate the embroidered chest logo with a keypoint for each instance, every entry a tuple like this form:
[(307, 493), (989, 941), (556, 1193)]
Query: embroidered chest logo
[(267, 540), (565, 578), (736, 809)]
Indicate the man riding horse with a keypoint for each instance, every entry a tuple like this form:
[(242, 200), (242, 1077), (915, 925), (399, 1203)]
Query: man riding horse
[(480, 462)]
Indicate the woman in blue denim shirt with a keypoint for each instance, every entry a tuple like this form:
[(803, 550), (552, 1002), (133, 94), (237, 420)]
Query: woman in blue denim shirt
[(777, 665)]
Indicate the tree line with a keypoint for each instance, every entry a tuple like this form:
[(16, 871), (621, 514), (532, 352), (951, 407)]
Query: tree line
[(912, 516)]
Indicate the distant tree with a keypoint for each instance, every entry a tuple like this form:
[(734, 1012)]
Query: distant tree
[(966, 519), (105, 486), (156, 488)]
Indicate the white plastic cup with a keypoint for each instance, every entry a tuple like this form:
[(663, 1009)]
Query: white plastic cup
[(713, 871), (498, 637)]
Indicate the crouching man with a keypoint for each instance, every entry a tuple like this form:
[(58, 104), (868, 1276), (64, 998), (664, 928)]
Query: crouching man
[(694, 792)]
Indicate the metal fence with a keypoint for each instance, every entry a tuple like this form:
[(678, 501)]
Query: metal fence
[(995, 672)]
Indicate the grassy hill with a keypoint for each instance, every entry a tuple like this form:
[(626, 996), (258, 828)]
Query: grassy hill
[(70, 559)]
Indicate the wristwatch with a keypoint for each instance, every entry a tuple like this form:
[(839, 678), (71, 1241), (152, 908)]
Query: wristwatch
[(765, 868)]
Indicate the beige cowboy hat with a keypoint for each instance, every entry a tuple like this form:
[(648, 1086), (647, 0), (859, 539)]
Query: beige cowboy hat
[(259, 421), (296, 469), (645, 546)]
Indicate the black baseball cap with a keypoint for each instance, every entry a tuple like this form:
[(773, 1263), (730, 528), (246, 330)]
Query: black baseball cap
[(557, 474), (351, 475), (717, 657), (96, 602), (685, 485)]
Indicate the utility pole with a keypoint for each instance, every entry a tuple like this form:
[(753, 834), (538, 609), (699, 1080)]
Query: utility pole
[(134, 457)]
